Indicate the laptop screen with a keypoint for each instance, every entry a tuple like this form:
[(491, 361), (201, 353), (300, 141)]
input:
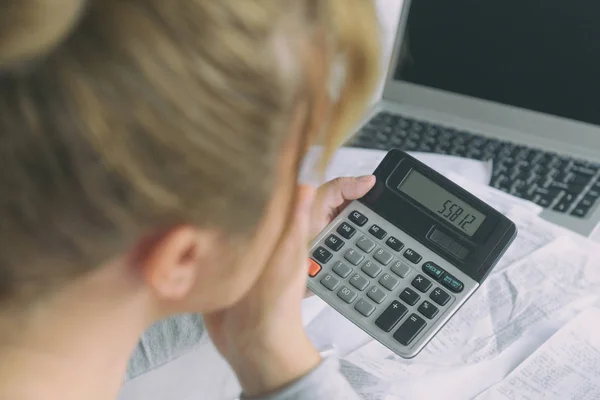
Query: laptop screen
[(541, 55)]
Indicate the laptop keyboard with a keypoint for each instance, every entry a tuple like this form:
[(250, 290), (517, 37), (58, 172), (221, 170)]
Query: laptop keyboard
[(563, 184)]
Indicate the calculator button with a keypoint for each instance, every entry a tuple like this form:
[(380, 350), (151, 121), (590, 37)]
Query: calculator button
[(357, 218), (410, 296), (421, 283), (359, 282), (391, 316), (400, 269), (394, 244), (354, 257), (364, 307), (452, 283), (365, 244), (433, 270), (383, 256), (341, 269), (409, 330), (428, 309), (412, 256), (322, 255), (346, 230), (389, 282), (334, 242), (462, 253), (371, 269), (313, 268), (437, 236), (376, 231), (377, 295), (330, 282), (348, 295), (440, 297)]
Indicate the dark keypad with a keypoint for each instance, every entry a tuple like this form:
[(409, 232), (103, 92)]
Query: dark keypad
[(409, 330), (421, 283), (371, 269), (322, 255), (433, 270), (428, 309), (391, 316), (412, 256), (346, 230), (376, 294), (452, 283), (341, 269), (410, 296), (532, 174), (330, 282), (359, 282), (347, 294), (334, 242), (394, 244), (376, 231), (439, 296), (364, 307), (358, 218)]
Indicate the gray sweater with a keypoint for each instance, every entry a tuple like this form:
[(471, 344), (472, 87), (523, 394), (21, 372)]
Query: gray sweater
[(173, 337)]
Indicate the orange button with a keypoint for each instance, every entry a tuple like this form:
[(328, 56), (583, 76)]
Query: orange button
[(313, 268)]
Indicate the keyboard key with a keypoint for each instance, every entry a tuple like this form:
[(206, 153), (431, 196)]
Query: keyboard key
[(358, 218), (371, 269), (346, 294), (452, 283), (354, 257), (313, 268), (364, 307), (409, 330), (394, 243), (433, 270), (428, 310), (439, 296), (322, 255), (412, 256), (376, 294), (330, 282), (376, 231), (391, 316), (346, 230), (341, 269), (389, 282), (334, 242), (383, 256), (359, 282), (400, 269), (365, 244), (410, 296), (421, 283)]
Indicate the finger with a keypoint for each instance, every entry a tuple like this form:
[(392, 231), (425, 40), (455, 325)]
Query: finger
[(337, 191)]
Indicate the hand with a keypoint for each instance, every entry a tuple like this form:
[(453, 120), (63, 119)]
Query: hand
[(262, 336), (331, 199)]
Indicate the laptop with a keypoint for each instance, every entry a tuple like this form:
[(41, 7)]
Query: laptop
[(512, 81)]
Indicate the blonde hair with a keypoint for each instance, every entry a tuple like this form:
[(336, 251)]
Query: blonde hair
[(120, 116)]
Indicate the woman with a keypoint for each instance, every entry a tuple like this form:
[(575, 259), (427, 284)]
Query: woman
[(149, 152)]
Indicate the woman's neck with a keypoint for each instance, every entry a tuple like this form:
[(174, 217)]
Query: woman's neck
[(77, 348)]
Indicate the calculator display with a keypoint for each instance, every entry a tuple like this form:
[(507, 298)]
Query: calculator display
[(438, 200)]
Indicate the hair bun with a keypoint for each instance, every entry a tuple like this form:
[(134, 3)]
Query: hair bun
[(29, 28)]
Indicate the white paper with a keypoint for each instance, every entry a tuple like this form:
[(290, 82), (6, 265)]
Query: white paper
[(348, 161), (366, 385), (566, 367)]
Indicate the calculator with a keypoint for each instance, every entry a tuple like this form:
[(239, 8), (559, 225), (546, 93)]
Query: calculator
[(402, 260)]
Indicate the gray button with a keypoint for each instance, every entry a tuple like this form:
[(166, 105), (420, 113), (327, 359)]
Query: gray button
[(348, 295), (359, 282), (330, 282), (365, 244), (364, 307), (400, 269), (383, 256), (341, 269), (389, 282), (371, 269), (377, 295), (354, 256)]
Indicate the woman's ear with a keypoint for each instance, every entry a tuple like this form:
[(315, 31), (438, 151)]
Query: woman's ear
[(170, 260)]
